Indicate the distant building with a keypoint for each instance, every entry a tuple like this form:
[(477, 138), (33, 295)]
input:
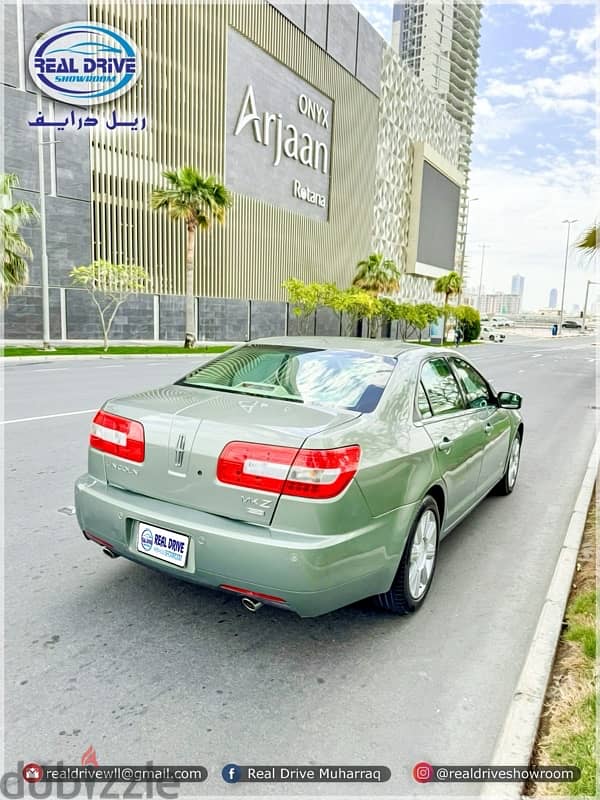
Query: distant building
[(517, 285), (553, 301), (499, 303)]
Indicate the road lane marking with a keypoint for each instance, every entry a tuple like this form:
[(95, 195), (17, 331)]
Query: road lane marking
[(112, 366), (48, 416), (51, 369)]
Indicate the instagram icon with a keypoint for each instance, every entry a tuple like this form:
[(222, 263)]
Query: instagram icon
[(422, 772)]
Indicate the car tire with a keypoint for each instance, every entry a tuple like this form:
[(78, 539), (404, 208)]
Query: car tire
[(508, 481), (408, 589)]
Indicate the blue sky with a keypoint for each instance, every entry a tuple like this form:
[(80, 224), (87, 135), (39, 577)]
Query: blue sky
[(535, 143)]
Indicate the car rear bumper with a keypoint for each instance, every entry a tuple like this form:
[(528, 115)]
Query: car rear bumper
[(312, 574)]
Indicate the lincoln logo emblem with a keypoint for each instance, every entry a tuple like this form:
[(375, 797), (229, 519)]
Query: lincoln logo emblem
[(179, 450)]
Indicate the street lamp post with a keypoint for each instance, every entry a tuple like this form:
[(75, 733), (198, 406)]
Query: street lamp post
[(568, 222), (483, 249), (585, 305), (44, 253)]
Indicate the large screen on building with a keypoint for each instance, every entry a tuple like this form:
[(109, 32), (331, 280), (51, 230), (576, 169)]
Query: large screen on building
[(438, 219)]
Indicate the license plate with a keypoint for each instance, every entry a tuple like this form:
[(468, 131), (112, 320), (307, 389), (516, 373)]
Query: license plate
[(164, 545)]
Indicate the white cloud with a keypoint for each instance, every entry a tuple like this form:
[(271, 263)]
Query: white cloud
[(534, 53), (571, 93), (578, 107), (519, 214), (379, 14), (536, 8), (587, 39), (536, 25), (561, 59), (556, 34), (496, 88), (501, 121)]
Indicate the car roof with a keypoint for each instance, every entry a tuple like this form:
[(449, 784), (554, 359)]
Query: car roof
[(384, 347)]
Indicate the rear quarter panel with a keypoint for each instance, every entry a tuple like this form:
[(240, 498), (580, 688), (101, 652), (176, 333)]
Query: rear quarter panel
[(398, 463)]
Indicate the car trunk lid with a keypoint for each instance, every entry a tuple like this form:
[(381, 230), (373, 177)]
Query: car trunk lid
[(185, 430)]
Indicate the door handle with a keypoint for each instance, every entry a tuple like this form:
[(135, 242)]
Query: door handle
[(445, 444), (488, 428)]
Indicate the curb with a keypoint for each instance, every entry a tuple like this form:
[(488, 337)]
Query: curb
[(517, 739), (42, 358)]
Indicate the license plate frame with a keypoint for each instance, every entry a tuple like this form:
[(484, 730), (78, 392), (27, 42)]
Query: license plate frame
[(169, 547)]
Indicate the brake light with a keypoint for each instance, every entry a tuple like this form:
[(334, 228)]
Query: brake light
[(319, 474), (118, 436)]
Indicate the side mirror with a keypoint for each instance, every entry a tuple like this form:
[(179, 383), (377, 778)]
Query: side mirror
[(509, 400)]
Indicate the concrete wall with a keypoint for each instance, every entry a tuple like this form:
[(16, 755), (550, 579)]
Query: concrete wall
[(219, 319)]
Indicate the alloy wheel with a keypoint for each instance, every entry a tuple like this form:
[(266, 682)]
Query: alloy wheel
[(513, 463), (422, 554)]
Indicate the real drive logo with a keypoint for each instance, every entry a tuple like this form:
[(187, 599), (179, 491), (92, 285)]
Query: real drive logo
[(147, 539), (84, 63), (231, 773)]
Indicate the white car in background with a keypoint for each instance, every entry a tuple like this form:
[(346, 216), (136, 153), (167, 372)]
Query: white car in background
[(502, 322), (488, 333)]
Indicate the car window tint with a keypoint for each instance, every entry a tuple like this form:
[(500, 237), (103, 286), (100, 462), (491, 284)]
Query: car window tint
[(423, 402), (441, 387), (475, 387), (350, 379)]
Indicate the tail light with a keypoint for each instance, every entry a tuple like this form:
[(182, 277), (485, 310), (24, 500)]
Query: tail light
[(118, 436), (319, 474)]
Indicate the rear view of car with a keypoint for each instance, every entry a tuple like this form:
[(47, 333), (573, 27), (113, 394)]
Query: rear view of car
[(240, 476), (302, 473)]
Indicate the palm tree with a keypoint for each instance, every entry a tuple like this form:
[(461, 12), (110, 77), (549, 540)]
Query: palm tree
[(589, 240), (448, 285), (197, 201), (377, 275), (14, 272)]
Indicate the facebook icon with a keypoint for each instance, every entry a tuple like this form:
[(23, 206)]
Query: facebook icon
[(231, 773)]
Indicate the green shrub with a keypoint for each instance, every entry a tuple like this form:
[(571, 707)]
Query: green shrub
[(469, 320)]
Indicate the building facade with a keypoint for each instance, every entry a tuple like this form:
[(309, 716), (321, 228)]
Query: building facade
[(331, 147), (439, 43), (553, 299), (517, 287), (500, 303)]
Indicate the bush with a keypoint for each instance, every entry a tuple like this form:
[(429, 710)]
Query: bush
[(470, 322)]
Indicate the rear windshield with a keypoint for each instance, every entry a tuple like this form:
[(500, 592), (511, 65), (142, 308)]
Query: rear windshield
[(348, 379)]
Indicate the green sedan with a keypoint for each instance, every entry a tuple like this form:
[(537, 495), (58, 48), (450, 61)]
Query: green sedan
[(305, 473)]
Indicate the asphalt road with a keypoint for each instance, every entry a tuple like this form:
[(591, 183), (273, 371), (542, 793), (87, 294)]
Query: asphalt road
[(143, 667)]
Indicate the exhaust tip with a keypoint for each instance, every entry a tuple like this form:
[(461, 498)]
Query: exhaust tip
[(109, 553), (251, 605)]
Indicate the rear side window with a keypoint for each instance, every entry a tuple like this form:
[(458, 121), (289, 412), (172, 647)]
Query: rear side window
[(441, 387), (350, 379)]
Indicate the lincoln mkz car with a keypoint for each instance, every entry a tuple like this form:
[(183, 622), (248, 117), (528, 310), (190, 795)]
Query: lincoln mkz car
[(304, 473)]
